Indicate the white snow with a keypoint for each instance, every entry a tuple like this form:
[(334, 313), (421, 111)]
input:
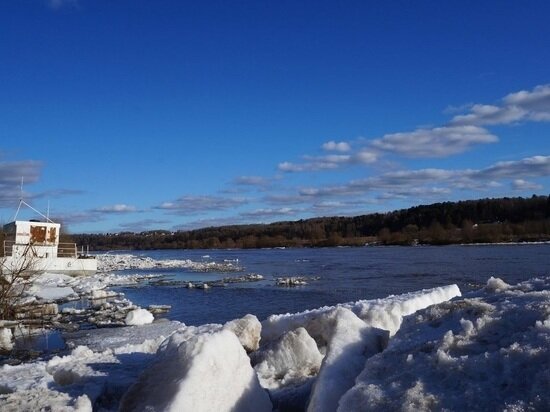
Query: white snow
[(139, 317), (351, 344), (248, 330), (209, 371), (50, 286), (96, 374), (112, 262), (384, 313), (290, 360), (488, 350), (6, 337), (496, 285)]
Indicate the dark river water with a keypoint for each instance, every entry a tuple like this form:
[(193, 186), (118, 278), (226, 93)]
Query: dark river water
[(345, 274)]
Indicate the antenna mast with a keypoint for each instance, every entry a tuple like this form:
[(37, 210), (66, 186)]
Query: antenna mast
[(22, 202)]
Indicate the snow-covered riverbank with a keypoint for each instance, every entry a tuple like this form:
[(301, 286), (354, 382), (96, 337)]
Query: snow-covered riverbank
[(427, 350)]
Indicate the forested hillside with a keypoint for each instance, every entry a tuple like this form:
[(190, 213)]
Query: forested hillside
[(472, 221)]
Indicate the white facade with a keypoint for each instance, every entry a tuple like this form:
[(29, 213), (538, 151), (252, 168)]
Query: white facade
[(37, 243)]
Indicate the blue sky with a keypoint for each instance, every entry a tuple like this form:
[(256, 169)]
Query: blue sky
[(138, 115)]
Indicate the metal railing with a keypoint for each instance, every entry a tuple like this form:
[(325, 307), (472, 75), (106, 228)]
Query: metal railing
[(8, 247), (63, 249), (67, 250)]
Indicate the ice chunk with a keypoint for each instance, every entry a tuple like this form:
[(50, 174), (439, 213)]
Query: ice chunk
[(384, 313), (488, 351), (248, 330), (496, 285), (52, 292), (351, 343), (209, 371), (290, 360), (110, 262), (6, 343), (139, 317), (138, 338)]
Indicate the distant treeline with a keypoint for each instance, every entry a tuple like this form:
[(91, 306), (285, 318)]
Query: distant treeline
[(473, 221)]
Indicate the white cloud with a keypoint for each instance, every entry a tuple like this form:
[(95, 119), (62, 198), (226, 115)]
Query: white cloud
[(521, 185), (252, 181), (189, 205), (117, 208), (143, 225), (483, 114), (333, 146), (434, 182), (434, 142), (416, 192), (271, 213), (283, 199), (464, 132), (536, 166), (524, 105), (329, 162), (10, 180), (12, 172)]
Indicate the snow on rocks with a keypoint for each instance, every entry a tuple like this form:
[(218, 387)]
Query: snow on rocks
[(139, 317), (177, 381), (489, 351)]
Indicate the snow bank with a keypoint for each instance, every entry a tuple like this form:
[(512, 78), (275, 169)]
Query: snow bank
[(489, 351), (139, 317), (209, 371), (97, 375), (351, 344), (384, 313)]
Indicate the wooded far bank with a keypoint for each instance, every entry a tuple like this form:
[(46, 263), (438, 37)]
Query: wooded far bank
[(473, 221)]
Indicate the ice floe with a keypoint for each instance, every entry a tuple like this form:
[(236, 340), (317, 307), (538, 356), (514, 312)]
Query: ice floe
[(109, 262)]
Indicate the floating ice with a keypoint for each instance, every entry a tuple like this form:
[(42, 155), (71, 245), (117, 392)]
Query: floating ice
[(113, 262)]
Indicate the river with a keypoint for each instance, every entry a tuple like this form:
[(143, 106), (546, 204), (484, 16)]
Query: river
[(344, 274)]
